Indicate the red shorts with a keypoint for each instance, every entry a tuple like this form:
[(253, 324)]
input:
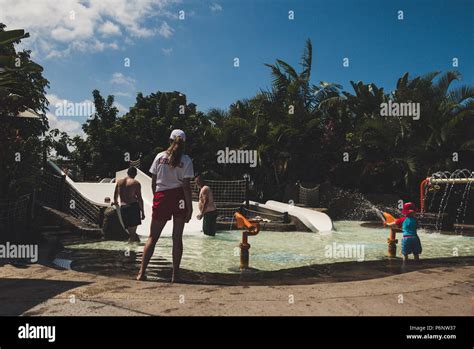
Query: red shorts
[(168, 203)]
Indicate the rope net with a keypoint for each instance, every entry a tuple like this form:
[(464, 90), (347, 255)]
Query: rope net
[(229, 196), (57, 193), (308, 196)]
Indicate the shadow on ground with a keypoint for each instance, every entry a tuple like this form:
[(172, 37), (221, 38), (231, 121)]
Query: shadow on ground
[(19, 295)]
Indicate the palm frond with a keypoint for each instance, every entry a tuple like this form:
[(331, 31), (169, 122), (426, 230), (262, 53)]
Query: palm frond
[(430, 76), (327, 90), (306, 60), (460, 94), (442, 85), (331, 102), (288, 69), (280, 81), (402, 82)]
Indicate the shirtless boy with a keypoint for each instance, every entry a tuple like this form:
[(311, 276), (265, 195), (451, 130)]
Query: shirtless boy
[(207, 207), (131, 202)]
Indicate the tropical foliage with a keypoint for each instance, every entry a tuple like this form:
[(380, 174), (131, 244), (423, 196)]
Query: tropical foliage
[(300, 129), (22, 87)]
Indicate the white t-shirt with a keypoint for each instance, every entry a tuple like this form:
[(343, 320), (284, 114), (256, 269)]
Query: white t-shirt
[(169, 177)]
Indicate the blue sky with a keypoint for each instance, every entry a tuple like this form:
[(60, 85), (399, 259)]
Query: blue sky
[(195, 55)]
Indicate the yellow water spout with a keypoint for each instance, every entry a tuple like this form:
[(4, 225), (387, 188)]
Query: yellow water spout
[(251, 229)]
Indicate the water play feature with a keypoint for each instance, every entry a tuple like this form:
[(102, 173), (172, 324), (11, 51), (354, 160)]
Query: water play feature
[(251, 229), (351, 241), (392, 237), (276, 250), (99, 194), (316, 221), (433, 185)]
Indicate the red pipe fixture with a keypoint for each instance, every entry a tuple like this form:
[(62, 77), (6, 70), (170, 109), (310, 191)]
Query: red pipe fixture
[(423, 184)]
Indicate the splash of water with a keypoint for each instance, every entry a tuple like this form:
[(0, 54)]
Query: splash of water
[(457, 174), (444, 200), (356, 205), (462, 209)]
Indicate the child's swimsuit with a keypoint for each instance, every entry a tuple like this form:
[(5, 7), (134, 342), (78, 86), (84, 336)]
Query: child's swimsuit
[(410, 242)]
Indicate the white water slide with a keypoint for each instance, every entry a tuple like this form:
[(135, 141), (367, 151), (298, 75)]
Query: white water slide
[(316, 221), (97, 192)]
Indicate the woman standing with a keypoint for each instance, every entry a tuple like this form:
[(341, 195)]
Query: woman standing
[(171, 172)]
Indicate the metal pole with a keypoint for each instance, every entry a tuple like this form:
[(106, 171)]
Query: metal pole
[(62, 192), (392, 244), (244, 252), (451, 180), (297, 198), (422, 193), (247, 194)]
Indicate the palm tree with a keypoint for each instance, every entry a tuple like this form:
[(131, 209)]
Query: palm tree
[(399, 151), (446, 123), (291, 88), (290, 108)]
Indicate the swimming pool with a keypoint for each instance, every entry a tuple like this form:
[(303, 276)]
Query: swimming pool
[(282, 250)]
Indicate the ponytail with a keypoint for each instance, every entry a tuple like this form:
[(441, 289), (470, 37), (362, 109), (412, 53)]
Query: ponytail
[(175, 151)]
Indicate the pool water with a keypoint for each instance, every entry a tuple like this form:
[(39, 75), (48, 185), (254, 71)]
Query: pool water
[(282, 250)]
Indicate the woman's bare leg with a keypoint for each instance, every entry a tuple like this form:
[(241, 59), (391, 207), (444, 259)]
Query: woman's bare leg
[(178, 227), (156, 228)]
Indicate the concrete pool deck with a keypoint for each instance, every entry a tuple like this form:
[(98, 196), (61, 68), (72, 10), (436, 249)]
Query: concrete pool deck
[(38, 290)]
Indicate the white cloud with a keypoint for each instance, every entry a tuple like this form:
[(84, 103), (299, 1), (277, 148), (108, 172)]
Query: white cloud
[(121, 108), (109, 28), (67, 123), (70, 126), (122, 94), (143, 32), (215, 7), (121, 79), (165, 30), (93, 45), (167, 51), (58, 27)]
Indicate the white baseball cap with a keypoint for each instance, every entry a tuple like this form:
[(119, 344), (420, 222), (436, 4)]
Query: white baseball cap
[(177, 133)]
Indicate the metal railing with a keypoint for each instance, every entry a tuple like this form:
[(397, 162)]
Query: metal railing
[(51, 190)]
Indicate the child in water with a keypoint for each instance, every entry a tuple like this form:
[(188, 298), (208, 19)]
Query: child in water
[(410, 242), (207, 207)]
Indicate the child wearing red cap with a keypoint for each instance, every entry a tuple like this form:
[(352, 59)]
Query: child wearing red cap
[(410, 242)]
